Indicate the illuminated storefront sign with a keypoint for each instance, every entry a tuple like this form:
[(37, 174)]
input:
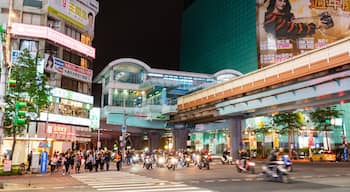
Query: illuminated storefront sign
[(65, 68), (65, 119), (62, 93), (95, 117), (52, 35), (296, 26)]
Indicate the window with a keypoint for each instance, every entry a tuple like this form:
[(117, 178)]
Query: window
[(33, 19), (49, 48), (71, 57), (75, 34), (30, 45), (33, 3), (70, 84), (54, 24), (85, 39)]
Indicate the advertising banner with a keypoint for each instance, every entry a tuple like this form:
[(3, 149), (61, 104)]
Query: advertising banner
[(286, 28), (80, 13), (44, 162), (95, 117), (56, 65)]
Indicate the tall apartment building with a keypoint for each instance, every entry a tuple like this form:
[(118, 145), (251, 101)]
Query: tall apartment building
[(61, 32)]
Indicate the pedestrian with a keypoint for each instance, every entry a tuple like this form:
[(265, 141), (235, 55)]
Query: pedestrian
[(66, 162), (118, 159), (97, 160), (107, 159), (53, 163), (77, 162), (89, 162), (29, 159)]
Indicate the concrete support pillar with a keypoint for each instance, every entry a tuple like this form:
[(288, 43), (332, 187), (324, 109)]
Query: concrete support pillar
[(180, 138), (235, 127), (154, 140)]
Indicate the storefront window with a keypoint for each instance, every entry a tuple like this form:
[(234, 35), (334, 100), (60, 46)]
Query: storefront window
[(70, 108)]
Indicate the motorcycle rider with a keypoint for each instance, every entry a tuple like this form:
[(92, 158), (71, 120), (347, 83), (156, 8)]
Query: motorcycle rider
[(243, 157), (225, 154), (272, 161)]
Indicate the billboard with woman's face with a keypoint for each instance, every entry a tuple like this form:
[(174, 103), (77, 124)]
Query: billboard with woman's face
[(286, 28)]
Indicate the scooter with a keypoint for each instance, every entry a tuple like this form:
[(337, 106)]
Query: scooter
[(148, 162), (227, 161), (202, 162), (287, 163), (160, 162), (249, 166), (172, 163), (276, 172)]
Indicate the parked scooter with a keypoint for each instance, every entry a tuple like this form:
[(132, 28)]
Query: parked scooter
[(245, 165), (275, 171), (287, 163), (172, 163)]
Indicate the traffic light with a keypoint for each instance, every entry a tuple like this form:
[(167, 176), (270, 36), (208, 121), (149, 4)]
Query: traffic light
[(327, 121), (12, 83), (20, 116)]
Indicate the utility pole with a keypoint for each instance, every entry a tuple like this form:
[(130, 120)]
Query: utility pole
[(5, 64), (124, 128)]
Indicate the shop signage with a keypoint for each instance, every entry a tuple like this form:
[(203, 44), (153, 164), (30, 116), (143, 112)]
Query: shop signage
[(67, 94), (95, 117), (7, 165), (52, 35), (62, 130), (65, 119), (54, 64)]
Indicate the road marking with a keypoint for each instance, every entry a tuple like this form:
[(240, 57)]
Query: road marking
[(209, 181), (127, 182), (235, 179), (223, 180)]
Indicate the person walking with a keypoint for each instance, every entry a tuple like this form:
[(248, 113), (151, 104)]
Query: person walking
[(107, 159), (118, 159), (29, 159), (77, 162)]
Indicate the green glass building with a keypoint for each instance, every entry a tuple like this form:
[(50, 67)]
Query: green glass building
[(219, 35)]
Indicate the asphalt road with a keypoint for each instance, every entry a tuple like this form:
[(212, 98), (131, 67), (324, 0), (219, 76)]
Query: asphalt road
[(319, 176)]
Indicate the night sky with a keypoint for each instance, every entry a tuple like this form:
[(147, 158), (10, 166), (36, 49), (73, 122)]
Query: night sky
[(145, 30)]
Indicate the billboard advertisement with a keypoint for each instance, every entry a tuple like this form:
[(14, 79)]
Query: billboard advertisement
[(81, 13), (56, 65), (286, 28)]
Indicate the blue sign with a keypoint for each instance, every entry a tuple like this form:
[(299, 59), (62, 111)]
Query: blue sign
[(345, 154), (123, 128), (43, 162)]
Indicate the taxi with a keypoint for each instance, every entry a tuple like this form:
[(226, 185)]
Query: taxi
[(323, 156)]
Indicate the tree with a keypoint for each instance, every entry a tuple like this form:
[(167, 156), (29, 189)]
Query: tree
[(263, 129), (321, 117), (289, 123), (30, 87)]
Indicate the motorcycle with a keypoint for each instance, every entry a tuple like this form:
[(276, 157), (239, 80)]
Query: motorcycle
[(276, 172), (249, 166), (202, 162), (160, 162), (147, 162), (227, 161), (172, 163), (136, 158), (187, 161), (287, 163)]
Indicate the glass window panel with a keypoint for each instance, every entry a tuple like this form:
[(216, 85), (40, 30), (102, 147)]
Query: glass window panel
[(36, 19)]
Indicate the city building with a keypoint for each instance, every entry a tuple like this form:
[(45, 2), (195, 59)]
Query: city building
[(61, 32), (138, 100), (245, 36)]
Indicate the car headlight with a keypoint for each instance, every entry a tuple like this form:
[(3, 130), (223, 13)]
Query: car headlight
[(251, 164)]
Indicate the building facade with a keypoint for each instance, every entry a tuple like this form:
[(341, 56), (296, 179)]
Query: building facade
[(219, 35), (138, 99), (61, 32)]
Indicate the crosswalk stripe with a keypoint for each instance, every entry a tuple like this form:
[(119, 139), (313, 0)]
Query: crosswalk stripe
[(127, 182)]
